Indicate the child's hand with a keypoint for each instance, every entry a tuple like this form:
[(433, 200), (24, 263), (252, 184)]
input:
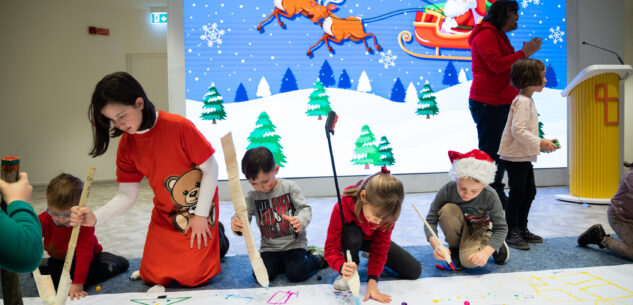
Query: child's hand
[(236, 224), (374, 293), (199, 230), (85, 216), (480, 258), (348, 270), (438, 254), (19, 190), (296, 224), (547, 145), (77, 291)]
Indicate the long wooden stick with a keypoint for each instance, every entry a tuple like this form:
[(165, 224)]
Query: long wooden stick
[(239, 204), (354, 281), (64, 281), (447, 256), (45, 286)]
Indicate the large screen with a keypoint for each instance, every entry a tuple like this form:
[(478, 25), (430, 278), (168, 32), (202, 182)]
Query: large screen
[(396, 72)]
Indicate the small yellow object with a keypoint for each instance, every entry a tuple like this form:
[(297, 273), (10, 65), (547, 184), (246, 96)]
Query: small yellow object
[(98, 288)]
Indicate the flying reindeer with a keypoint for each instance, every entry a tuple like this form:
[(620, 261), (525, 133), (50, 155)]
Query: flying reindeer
[(289, 8), (336, 29)]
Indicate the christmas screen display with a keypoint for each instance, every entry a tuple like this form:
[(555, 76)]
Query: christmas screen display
[(397, 73)]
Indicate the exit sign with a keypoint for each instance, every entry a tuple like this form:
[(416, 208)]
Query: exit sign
[(159, 17)]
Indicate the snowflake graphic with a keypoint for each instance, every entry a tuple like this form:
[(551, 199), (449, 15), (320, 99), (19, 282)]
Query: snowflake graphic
[(525, 3), (212, 35), (388, 59), (556, 34)]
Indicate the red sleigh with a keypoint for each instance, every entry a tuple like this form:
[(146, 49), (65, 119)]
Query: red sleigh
[(428, 25)]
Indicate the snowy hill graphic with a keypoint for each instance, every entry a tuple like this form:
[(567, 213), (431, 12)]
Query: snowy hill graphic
[(419, 145)]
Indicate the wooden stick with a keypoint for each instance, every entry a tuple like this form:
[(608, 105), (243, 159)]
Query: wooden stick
[(354, 281), (45, 286), (447, 256), (64, 281), (239, 204)]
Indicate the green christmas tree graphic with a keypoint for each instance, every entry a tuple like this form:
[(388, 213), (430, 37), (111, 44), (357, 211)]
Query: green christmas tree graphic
[(385, 153), (213, 108), (427, 104), (366, 152), (264, 135), (541, 133), (319, 104)]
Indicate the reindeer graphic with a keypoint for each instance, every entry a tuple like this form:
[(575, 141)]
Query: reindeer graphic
[(336, 29), (289, 8)]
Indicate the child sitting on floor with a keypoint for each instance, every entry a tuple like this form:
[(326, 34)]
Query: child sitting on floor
[(464, 208), (90, 264), (282, 215)]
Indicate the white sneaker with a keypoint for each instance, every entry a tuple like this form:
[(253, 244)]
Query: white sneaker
[(340, 284)]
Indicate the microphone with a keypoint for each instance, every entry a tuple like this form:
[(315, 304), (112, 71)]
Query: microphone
[(601, 48)]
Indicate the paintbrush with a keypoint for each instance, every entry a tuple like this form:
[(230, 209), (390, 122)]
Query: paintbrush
[(447, 256), (354, 281)]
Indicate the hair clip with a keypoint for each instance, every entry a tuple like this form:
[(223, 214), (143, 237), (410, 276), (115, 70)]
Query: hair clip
[(384, 170)]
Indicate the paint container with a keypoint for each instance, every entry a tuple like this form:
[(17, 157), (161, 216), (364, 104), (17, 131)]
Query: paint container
[(10, 173)]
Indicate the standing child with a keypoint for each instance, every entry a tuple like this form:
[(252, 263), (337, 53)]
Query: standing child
[(182, 172), (464, 208), (620, 216), (90, 265), (520, 144), (282, 215), (370, 209)]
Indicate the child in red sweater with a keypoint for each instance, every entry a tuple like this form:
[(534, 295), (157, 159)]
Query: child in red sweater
[(90, 264), (370, 209)]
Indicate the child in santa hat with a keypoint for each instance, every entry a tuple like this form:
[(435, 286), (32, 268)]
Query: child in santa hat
[(465, 207)]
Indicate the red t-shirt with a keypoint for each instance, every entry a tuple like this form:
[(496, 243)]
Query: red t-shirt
[(56, 244), (168, 155), (380, 239)]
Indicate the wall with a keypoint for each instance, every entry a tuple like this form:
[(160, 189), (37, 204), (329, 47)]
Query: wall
[(50, 65)]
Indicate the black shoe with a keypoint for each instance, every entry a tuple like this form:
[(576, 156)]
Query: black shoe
[(501, 257), (594, 235), (530, 237), (318, 254), (455, 259), (114, 264), (224, 241), (514, 240)]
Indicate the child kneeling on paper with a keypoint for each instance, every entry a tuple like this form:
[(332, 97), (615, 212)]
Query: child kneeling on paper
[(282, 215), (90, 264), (464, 208)]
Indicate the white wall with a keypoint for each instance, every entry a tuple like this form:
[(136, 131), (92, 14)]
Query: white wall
[(49, 66)]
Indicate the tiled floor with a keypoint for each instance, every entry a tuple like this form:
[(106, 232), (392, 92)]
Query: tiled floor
[(125, 235)]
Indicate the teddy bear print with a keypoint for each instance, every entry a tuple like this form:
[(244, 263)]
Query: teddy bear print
[(184, 191)]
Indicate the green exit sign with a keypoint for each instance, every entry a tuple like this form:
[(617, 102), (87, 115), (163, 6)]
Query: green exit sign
[(159, 17)]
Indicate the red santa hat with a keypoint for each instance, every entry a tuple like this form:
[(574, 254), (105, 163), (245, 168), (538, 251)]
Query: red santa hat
[(474, 164)]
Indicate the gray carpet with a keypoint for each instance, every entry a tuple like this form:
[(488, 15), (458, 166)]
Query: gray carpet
[(554, 253)]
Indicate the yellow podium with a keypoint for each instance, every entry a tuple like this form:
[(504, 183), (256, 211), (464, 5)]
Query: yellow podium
[(594, 115)]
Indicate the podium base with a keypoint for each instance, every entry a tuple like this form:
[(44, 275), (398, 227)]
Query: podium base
[(570, 198)]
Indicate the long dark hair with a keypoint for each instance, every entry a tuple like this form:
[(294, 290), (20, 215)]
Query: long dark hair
[(117, 87), (499, 12)]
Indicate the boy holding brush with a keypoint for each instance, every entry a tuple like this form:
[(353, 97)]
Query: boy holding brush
[(465, 207)]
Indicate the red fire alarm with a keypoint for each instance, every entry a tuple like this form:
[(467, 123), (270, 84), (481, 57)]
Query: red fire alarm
[(93, 30)]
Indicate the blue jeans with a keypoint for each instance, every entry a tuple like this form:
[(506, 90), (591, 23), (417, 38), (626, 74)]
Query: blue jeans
[(491, 120)]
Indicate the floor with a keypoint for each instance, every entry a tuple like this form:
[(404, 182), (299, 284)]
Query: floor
[(125, 235)]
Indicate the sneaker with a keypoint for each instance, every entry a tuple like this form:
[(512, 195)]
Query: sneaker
[(340, 284), (501, 256), (514, 240), (529, 236), (594, 235), (318, 254), (455, 259)]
